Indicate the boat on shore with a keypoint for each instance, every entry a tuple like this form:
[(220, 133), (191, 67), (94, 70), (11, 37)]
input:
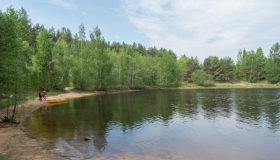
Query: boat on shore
[(64, 100), (53, 104)]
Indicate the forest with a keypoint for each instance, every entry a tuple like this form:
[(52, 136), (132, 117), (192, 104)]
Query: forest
[(36, 58)]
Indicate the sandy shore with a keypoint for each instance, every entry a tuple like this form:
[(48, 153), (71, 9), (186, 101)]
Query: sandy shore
[(14, 143)]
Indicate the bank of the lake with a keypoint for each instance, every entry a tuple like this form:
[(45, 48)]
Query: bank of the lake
[(231, 84), (14, 141)]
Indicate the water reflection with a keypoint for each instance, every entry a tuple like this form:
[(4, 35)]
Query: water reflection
[(142, 123), (44, 109)]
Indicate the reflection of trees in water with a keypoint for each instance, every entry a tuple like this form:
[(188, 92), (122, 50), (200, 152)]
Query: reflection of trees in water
[(101, 115), (272, 117), (210, 103), (189, 105), (132, 110), (216, 103), (248, 105), (272, 109), (95, 116), (253, 106)]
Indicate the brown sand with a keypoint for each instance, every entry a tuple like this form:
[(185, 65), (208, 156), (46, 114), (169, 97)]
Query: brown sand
[(14, 143)]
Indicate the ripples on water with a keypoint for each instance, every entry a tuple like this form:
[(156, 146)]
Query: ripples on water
[(168, 124)]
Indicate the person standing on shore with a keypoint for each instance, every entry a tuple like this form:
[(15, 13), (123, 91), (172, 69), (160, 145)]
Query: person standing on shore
[(40, 97), (45, 94)]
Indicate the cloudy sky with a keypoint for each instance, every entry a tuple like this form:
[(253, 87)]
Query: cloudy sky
[(193, 27)]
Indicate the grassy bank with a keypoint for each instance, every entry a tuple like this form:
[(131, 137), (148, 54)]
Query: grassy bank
[(3, 158), (220, 85), (232, 84)]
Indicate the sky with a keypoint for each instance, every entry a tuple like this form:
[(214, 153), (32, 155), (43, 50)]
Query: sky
[(199, 28)]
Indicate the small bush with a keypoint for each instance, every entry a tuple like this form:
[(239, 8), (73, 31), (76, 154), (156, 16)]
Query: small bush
[(201, 78)]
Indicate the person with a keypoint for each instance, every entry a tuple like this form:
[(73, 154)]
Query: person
[(40, 97), (45, 93)]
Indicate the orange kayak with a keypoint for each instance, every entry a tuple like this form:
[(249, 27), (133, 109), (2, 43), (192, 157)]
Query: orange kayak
[(57, 100), (53, 104)]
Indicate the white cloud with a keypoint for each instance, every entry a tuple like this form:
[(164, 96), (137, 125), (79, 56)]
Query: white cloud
[(64, 4), (85, 14), (116, 36), (203, 28)]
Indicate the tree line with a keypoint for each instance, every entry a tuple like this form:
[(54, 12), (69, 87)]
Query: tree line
[(34, 58)]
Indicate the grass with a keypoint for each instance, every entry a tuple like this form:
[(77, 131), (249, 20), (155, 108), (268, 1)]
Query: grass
[(3, 158), (221, 85), (228, 84), (70, 88)]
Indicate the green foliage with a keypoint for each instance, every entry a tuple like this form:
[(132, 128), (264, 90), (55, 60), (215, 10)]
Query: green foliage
[(168, 70), (100, 60), (273, 64), (211, 66), (33, 57), (201, 78), (14, 53), (3, 158), (226, 69), (191, 67), (44, 63), (250, 65), (62, 60)]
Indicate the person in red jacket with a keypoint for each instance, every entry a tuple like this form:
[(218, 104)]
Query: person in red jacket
[(42, 95)]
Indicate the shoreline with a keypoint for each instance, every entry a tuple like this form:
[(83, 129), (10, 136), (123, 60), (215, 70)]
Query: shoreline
[(15, 142)]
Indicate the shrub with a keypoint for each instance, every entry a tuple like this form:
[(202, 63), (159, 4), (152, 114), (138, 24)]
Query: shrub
[(201, 78)]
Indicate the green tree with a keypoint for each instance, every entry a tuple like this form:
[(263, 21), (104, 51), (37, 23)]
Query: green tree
[(226, 69), (273, 64), (211, 65), (242, 65), (62, 58), (150, 70), (182, 64), (44, 60), (79, 49), (191, 67), (13, 66), (101, 60)]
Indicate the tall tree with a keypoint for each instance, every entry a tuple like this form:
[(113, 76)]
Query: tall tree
[(192, 66), (273, 64), (13, 69), (62, 58), (226, 69), (101, 61), (211, 65), (43, 59)]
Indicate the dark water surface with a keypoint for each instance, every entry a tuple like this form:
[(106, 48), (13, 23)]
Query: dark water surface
[(209, 124)]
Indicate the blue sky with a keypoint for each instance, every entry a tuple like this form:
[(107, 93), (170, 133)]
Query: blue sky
[(192, 27)]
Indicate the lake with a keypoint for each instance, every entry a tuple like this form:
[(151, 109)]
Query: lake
[(163, 124)]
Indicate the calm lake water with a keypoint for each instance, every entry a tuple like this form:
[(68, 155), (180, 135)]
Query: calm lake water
[(226, 124)]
